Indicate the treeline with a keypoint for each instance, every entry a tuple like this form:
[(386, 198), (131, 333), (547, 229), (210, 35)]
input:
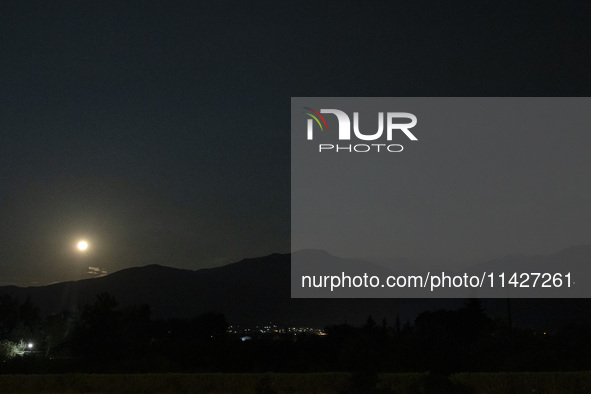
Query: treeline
[(107, 337)]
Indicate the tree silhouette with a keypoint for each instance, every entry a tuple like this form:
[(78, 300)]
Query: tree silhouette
[(8, 315), (96, 329)]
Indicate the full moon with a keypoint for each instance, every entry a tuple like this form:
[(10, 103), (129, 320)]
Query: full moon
[(82, 246)]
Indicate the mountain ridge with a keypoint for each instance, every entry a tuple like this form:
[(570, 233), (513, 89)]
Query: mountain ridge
[(257, 290)]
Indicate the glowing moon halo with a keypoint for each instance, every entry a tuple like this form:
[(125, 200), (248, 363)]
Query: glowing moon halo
[(82, 246)]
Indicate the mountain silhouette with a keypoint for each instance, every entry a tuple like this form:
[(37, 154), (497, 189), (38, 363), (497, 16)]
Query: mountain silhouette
[(252, 291), (257, 291)]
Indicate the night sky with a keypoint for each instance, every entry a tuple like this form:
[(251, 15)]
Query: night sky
[(160, 133)]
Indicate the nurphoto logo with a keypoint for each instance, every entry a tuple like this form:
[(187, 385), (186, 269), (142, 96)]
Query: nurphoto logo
[(393, 126)]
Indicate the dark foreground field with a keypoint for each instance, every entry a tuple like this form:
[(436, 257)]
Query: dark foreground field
[(476, 383)]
